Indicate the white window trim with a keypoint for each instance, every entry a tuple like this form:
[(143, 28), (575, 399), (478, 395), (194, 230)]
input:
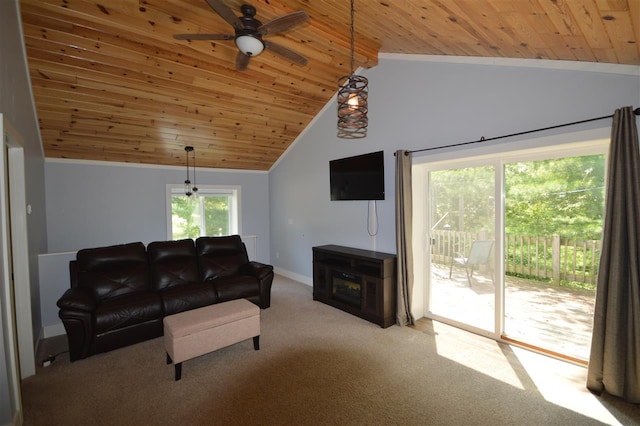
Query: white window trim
[(235, 222)]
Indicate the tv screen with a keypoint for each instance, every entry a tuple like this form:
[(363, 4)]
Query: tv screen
[(357, 178)]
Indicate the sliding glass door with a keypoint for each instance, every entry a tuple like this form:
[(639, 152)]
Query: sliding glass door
[(462, 209), (553, 224), (513, 246)]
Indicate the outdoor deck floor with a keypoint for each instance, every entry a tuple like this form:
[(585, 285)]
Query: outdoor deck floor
[(549, 316)]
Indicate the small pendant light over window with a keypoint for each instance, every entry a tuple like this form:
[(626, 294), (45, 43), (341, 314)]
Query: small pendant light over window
[(352, 100), (189, 189)]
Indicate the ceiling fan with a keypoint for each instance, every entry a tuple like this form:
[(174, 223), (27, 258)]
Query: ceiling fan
[(249, 32)]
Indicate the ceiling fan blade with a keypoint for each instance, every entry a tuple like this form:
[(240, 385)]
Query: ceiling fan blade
[(203, 36), (286, 53), (284, 23), (227, 14), (242, 61)]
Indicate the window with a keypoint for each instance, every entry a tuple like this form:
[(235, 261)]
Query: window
[(214, 211)]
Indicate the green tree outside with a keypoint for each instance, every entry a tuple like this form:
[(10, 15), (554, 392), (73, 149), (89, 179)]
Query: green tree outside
[(563, 197), (187, 215), (461, 197), (556, 197)]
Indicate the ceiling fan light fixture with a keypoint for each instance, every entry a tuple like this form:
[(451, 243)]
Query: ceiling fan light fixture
[(249, 45), (248, 33)]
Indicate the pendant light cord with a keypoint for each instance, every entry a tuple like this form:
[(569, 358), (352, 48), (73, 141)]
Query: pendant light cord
[(352, 36), (187, 152), (195, 188)]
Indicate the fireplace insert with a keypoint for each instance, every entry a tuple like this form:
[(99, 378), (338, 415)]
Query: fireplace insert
[(347, 288)]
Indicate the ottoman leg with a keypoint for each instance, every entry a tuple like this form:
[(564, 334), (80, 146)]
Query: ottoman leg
[(168, 359), (178, 374), (256, 343)]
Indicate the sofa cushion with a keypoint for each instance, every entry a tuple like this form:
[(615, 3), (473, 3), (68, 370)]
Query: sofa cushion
[(236, 287), (172, 263), (127, 310), (220, 256), (114, 270), (183, 298)]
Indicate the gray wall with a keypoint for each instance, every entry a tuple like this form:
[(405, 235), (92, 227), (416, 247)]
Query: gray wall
[(414, 105), (17, 106), (99, 204)]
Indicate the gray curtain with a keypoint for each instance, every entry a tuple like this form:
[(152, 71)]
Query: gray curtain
[(403, 238), (614, 364)]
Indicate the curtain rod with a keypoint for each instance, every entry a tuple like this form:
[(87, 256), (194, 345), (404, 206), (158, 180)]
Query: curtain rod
[(482, 139)]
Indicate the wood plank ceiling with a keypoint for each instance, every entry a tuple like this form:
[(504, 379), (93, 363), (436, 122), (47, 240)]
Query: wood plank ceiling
[(111, 83)]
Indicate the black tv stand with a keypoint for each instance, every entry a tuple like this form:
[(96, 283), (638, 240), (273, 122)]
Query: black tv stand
[(360, 282)]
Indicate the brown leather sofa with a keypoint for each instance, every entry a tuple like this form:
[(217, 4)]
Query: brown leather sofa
[(120, 294)]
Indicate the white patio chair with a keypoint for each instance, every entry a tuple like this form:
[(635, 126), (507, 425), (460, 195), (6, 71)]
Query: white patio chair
[(479, 254)]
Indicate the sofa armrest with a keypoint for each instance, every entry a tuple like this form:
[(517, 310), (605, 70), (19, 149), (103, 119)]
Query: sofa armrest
[(78, 299), (264, 274), (80, 334), (77, 305), (257, 269)]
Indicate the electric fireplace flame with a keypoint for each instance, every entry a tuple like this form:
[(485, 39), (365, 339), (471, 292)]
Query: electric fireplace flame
[(347, 288)]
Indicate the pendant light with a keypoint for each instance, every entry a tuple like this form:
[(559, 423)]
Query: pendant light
[(189, 190), (352, 100)]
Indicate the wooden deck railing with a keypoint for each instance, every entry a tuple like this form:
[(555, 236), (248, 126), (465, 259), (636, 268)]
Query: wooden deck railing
[(554, 257)]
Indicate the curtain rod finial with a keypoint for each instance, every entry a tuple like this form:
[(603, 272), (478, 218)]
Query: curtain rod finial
[(636, 111)]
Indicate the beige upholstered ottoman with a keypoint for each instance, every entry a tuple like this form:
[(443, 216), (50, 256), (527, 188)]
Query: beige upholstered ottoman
[(193, 333)]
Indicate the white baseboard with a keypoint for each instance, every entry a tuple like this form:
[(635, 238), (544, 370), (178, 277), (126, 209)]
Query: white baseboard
[(292, 275), (52, 330)]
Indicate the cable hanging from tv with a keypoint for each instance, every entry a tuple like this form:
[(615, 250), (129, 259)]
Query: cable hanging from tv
[(372, 232)]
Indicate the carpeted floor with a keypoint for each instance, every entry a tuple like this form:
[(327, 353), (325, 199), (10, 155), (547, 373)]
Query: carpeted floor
[(319, 365)]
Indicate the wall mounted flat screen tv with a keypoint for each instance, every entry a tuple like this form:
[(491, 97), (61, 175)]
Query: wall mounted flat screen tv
[(357, 178)]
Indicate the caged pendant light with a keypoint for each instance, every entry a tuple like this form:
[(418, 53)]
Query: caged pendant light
[(352, 100), (189, 190)]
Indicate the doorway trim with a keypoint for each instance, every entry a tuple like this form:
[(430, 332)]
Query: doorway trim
[(18, 210)]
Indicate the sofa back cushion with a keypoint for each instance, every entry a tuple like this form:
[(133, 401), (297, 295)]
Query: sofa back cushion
[(220, 256), (114, 270), (172, 263)]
